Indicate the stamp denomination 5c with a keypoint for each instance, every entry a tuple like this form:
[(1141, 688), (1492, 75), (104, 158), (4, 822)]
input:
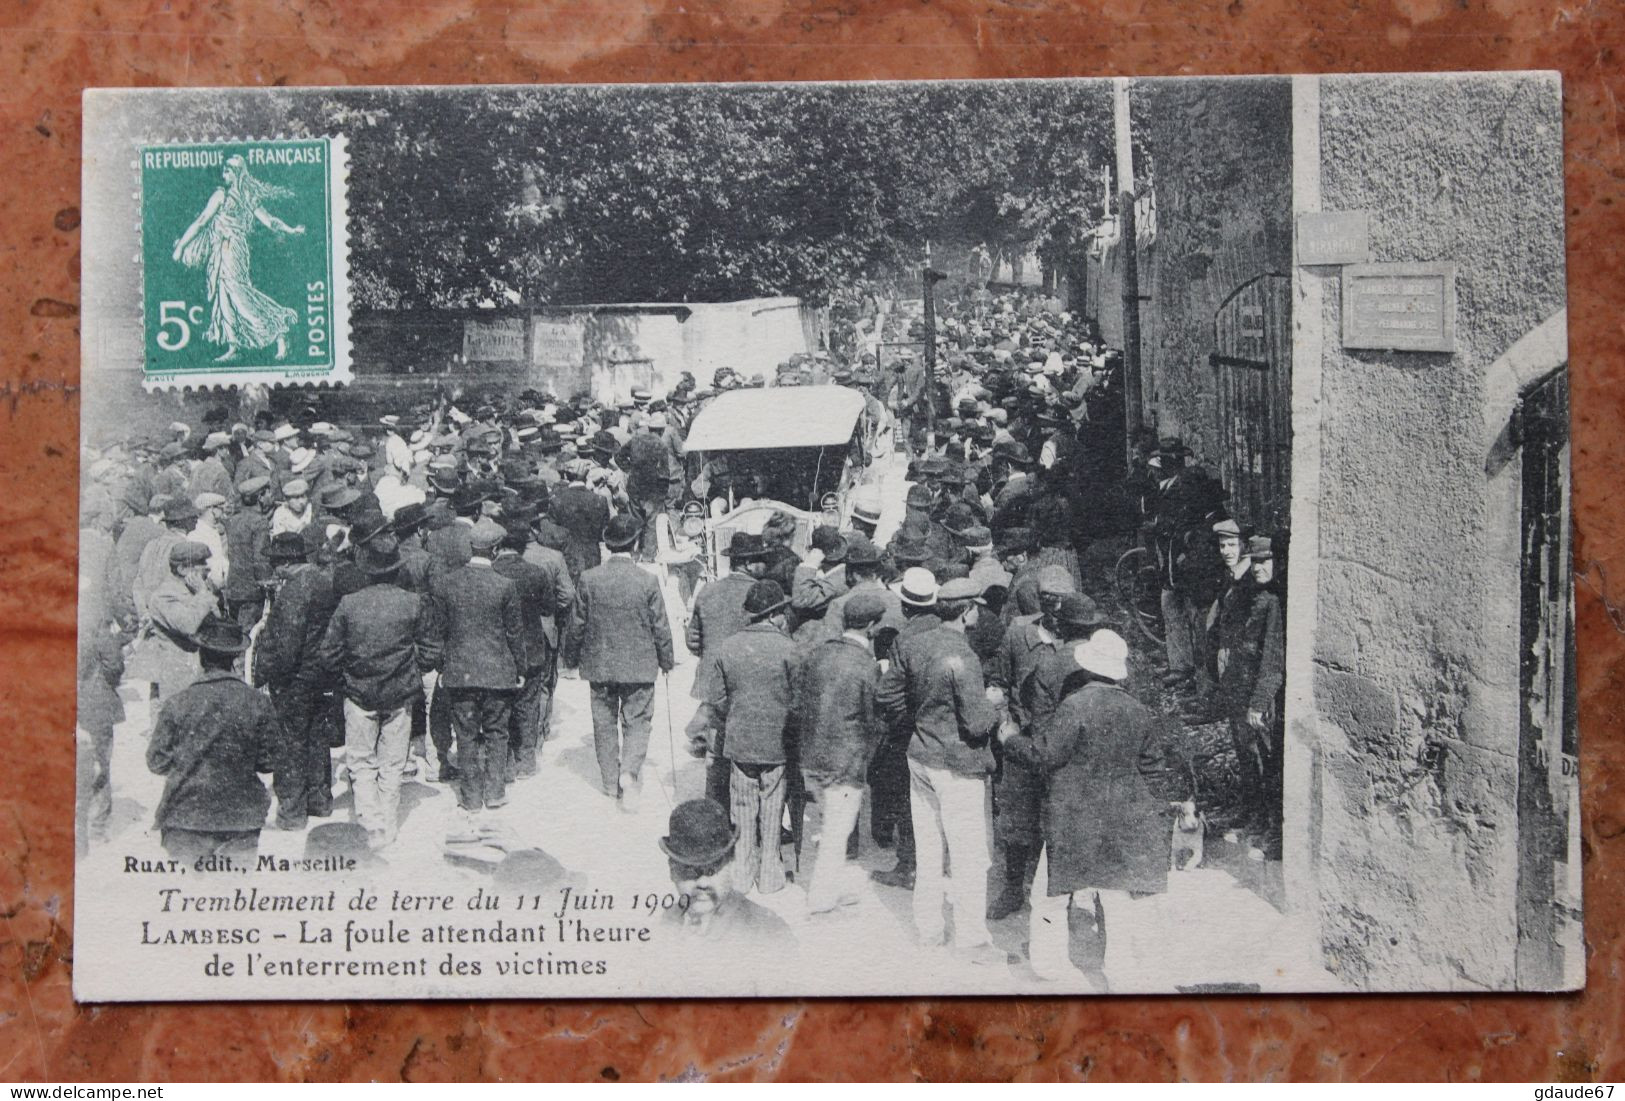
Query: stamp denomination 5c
[(245, 272)]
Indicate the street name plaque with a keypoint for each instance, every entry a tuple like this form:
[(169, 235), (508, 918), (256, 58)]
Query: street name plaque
[(1400, 307), (1334, 237)]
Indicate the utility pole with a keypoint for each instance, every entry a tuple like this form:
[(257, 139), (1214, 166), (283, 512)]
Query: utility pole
[(930, 277), (1133, 397)]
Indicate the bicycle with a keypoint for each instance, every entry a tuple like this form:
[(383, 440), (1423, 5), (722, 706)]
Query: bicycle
[(1138, 582)]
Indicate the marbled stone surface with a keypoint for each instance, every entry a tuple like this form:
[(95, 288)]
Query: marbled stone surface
[(48, 52)]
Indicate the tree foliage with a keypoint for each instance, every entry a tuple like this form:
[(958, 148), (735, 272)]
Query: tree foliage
[(591, 194)]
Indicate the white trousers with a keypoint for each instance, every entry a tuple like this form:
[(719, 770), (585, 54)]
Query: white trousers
[(375, 747), (839, 804), (950, 816)]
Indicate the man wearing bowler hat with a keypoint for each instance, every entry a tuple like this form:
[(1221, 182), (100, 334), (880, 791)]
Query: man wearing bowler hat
[(478, 645), (210, 743), (745, 690), (376, 645), (620, 639), (285, 663), (699, 846)]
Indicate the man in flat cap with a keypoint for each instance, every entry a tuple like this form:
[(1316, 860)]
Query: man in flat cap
[(840, 728), (621, 640), (478, 645), (210, 743), (248, 547), (1252, 661), (745, 693), (178, 606)]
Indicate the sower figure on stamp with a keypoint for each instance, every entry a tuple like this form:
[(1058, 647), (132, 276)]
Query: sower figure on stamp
[(478, 644), (377, 643), (620, 639), (210, 743), (745, 691), (240, 315), (285, 663)]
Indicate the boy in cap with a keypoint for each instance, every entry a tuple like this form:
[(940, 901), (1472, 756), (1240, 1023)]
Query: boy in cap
[(1253, 654), (210, 743), (745, 689), (477, 642)]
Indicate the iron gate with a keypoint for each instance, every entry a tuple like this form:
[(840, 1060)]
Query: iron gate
[(1252, 363)]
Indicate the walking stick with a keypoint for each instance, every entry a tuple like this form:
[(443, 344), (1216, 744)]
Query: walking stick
[(671, 740)]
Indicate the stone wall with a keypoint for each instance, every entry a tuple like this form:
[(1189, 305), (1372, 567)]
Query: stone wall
[(1415, 660), (1222, 161)]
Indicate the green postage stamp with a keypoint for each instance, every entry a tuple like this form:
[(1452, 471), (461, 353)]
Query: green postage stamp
[(244, 264)]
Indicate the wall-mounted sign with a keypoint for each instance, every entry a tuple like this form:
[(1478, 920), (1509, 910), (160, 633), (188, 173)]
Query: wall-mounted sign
[(500, 340), (558, 344), (1404, 307), (1336, 237)]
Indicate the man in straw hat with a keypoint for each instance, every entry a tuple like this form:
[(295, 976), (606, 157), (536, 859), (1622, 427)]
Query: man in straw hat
[(376, 645), (699, 846), (745, 690), (1106, 818), (621, 640), (210, 743), (935, 685)]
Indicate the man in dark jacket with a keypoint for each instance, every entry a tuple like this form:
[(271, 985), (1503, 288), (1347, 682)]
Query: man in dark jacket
[(1252, 663), (377, 644), (210, 742), (1018, 790), (479, 648), (248, 544), (583, 515), (745, 689), (543, 595), (449, 545), (719, 611), (1106, 821), (840, 729), (285, 663), (621, 640), (935, 683)]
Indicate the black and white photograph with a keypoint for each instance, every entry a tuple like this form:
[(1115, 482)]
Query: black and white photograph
[(1087, 536)]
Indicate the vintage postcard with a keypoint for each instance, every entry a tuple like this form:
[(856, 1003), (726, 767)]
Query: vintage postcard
[(1027, 537)]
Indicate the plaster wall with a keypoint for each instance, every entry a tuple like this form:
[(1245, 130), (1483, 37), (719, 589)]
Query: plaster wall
[(1415, 659)]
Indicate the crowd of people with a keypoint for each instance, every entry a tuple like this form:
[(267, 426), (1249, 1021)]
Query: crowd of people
[(410, 592)]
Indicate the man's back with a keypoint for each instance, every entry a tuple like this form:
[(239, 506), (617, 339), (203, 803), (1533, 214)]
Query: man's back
[(752, 675), (619, 631), (480, 628), (299, 614), (537, 603), (372, 643), (450, 544), (719, 611), (936, 679), (210, 741)]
